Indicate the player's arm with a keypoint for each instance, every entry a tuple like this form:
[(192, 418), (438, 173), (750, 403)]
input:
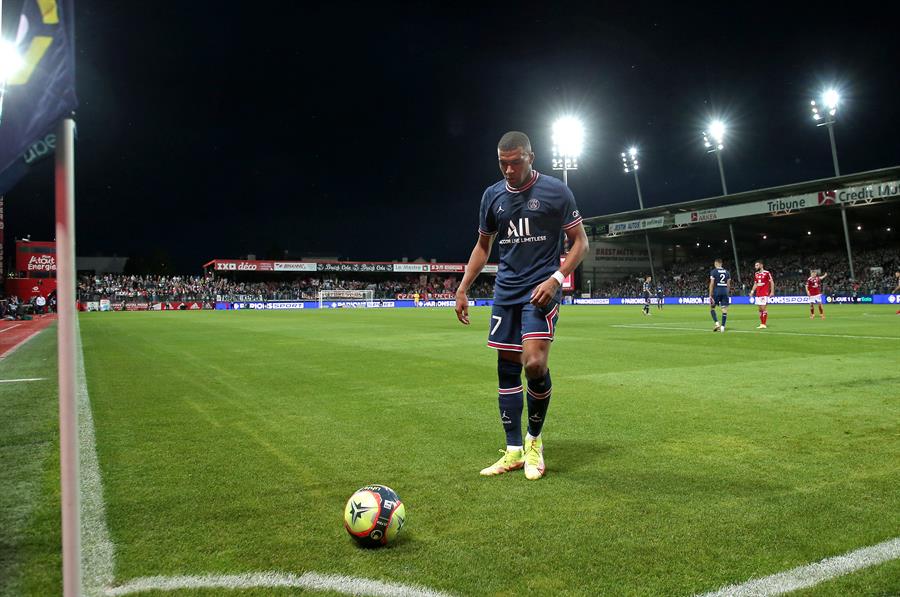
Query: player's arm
[(771, 286), (823, 276), (477, 259), (578, 243), (712, 282), (753, 287)]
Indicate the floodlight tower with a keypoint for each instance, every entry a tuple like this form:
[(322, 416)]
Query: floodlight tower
[(568, 141), (630, 164), (826, 115), (714, 142)]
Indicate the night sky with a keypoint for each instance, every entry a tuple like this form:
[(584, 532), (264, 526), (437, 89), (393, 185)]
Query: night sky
[(214, 130)]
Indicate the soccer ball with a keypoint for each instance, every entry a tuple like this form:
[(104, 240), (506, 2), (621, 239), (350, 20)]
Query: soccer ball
[(374, 515)]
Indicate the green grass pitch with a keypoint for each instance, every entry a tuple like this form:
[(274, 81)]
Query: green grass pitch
[(678, 460)]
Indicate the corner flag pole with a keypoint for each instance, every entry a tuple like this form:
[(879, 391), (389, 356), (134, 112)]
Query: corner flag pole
[(68, 412)]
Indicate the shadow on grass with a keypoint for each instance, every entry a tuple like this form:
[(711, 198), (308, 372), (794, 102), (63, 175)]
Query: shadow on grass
[(572, 455)]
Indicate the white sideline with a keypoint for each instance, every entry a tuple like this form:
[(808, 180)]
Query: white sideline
[(97, 550), (651, 326), (6, 329), (23, 379), (348, 585), (813, 574)]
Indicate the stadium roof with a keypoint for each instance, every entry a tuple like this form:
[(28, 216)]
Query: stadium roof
[(836, 182)]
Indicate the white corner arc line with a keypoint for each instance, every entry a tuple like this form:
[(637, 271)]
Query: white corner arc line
[(97, 549), (23, 379), (314, 581), (651, 326), (813, 574)]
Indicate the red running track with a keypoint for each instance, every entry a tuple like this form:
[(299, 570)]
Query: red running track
[(15, 333)]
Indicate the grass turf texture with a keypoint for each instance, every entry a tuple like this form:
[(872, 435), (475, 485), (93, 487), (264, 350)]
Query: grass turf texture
[(678, 461)]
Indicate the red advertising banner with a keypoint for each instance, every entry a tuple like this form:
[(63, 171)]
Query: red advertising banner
[(243, 265), (36, 259)]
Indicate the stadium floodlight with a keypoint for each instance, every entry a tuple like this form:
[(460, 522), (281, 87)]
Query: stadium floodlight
[(568, 142), (714, 142), (826, 115), (630, 164)]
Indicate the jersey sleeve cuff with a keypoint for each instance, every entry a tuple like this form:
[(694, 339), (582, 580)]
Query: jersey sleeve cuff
[(572, 224), (485, 233)]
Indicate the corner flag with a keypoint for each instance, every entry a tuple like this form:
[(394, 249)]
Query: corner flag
[(42, 92)]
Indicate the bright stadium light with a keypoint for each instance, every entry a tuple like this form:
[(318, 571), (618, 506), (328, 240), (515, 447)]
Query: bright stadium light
[(568, 143), (714, 142), (630, 164), (826, 115)]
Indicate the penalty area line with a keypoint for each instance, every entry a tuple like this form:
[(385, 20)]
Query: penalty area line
[(314, 581), (651, 326), (23, 379), (813, 574)]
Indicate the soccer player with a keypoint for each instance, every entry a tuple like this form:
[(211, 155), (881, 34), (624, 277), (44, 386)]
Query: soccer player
[(646, 291), (659, 296), (814, 292), (719, 287), (763, 288), (528, 214)]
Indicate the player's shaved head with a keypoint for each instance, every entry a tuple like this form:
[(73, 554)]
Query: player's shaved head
[(514, 140), (718, 262)]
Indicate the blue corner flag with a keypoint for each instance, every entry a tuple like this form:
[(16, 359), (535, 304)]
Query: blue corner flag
[(42, 92)]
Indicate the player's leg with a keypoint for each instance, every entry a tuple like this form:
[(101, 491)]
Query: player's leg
[(763, 312), (506, 337), (538, 329), (812, 307), (822, 306), (724, 301)]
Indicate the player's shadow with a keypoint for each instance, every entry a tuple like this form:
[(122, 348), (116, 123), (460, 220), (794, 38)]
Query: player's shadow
[(571, 455)]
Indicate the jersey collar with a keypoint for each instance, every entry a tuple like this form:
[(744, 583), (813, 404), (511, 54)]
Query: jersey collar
[(528, 184)]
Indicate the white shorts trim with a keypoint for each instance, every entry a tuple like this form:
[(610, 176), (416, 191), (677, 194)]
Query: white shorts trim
[(761, 301), (815, 298)]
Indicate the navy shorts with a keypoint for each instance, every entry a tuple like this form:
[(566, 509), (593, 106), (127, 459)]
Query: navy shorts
[(511, 325), (721, 299)]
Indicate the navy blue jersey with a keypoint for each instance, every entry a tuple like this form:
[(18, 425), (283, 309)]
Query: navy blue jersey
[(659, 290), (529, 223), (720, 277), (646, 287)]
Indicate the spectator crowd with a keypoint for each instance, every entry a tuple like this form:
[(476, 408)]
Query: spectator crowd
[(874, 271), (146, 289)]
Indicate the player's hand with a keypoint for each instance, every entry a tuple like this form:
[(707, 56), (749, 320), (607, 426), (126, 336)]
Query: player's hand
[(711, 302), (462, 307), (544, 292)]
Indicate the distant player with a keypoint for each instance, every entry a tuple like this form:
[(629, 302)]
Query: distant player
[(659, 296), (646, 292), (814, 292), (719, 288), (763, 288), (529, 214)]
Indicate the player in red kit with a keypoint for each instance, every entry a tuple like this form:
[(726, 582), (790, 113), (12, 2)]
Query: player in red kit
[(763, 288), (814, 292)]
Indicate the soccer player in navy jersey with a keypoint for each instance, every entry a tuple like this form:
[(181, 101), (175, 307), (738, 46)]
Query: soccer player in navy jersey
[(645, 290), (719, 286), (527, 214)]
